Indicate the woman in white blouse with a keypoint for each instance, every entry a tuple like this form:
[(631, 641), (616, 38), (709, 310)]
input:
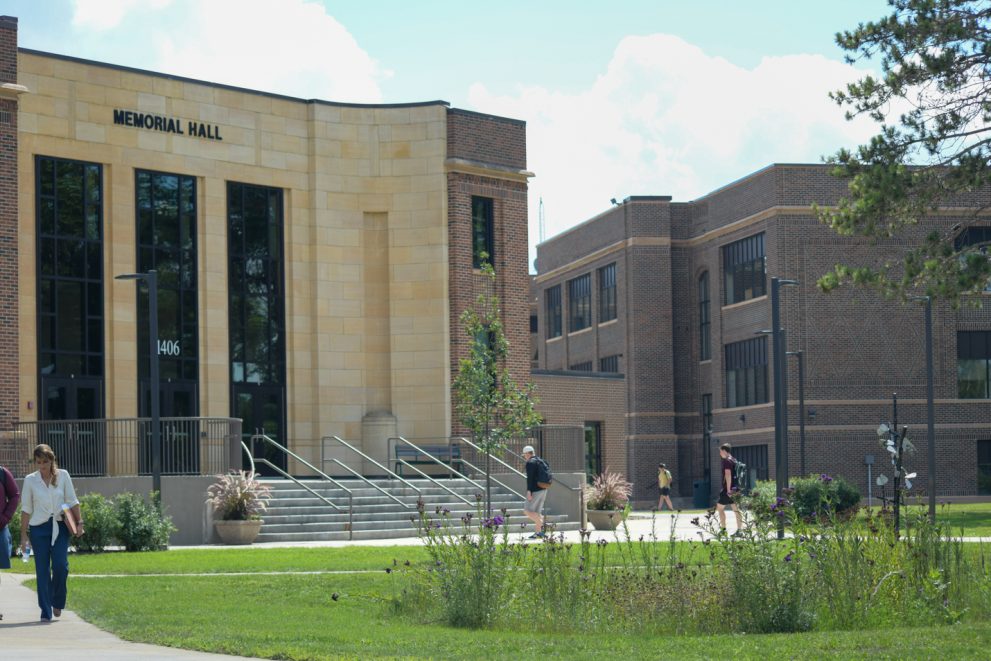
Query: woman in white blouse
[(46, 492)]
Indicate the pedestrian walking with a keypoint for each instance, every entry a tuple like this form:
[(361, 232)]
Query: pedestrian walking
[(10, 496), (538, 480), (664, 480), (47, 501), (728, 487)]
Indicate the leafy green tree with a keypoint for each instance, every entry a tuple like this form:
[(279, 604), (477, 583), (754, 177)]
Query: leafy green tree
[(935, 59), (488, 400)]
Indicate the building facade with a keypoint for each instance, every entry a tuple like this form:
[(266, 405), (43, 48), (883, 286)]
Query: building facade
[(312, 256), (653, 311)]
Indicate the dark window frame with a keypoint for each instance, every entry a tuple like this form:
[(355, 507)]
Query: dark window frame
[(609, 364), (552, 302), (68, 260), (265, 273), (744, 270), (705, 320), (584, 366), (482, 230), (974, 361), (746, 372), (580, 303), (181, 285), (984, 467), (607, 293)]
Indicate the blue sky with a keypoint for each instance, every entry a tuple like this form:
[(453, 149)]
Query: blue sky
[(630, 97)]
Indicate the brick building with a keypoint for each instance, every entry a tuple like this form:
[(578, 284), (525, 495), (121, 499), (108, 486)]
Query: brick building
[(646, 329), (313, 256)]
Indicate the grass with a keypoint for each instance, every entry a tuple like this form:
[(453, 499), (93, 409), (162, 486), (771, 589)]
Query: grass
[(296, 617)]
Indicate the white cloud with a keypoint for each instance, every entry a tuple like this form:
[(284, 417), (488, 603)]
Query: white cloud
[(107, 14), (665, 118), (290, 47)]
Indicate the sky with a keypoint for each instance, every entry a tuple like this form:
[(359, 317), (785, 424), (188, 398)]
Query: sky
[(628, 97)]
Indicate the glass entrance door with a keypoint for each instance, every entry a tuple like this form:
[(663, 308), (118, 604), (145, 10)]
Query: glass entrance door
[(77, 444), (262, 411)]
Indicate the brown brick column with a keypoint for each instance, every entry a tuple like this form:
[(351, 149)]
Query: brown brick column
[(9, 362)]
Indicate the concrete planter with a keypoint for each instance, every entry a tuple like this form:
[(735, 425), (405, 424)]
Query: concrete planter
[(604, 519), (238, 532)]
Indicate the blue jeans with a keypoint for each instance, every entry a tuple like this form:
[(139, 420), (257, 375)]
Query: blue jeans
[(5, 548), (51, 566)]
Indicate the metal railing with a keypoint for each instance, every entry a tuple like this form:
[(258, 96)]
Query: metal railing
[(324, 461), (579, 488), (496, 459), (122, 446), (446, 465), (300, 483)]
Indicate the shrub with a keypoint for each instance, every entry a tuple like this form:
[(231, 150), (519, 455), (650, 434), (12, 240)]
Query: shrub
[(820, 496), (609, 491), (101, 523), (141, 526)]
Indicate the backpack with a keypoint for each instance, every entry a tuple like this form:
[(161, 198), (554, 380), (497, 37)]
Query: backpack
[(544, 477), (741, 475)]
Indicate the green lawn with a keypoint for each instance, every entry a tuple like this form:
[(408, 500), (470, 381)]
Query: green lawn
[(296, 617)]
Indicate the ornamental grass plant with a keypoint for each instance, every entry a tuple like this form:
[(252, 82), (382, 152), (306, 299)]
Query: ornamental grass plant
[(608, 491), (828, 573)]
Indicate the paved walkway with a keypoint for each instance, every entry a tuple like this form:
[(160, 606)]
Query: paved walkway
[(24, 638)]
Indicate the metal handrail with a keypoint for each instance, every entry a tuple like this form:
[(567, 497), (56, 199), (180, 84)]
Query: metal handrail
[(466, 441), (369, 482), (298, 458), (447, 466), (319, 472), (445, 488), (496, 480), (363, 456), (251, 459), (579, 489)]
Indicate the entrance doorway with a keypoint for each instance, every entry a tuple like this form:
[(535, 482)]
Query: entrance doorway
[(180, 438), (77, 444), (262, 411)]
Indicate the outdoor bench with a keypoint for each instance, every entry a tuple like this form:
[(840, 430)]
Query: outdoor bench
[(449, 454)]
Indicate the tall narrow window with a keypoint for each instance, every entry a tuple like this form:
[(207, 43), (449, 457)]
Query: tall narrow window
[(70, 293), (607, 293), (482, 231), (979, 236), (705, 352), (256, 283), (166, 233), (579, 303), (743, 266), (984, 467), (746, 372), (706, 414), (974, 364), (553, 298)]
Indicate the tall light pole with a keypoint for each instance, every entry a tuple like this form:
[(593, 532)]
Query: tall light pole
[(801, 408), (780, 392), (930, 407), (151, 279)]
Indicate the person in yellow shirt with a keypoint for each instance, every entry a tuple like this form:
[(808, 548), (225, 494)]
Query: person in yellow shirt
[(664, 482)]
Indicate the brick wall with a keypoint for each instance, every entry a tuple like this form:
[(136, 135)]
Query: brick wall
[(494, 142), (9, 362), (858, 347)]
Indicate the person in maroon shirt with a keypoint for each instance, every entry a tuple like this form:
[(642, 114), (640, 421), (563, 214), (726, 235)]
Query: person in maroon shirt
[(727, 487)]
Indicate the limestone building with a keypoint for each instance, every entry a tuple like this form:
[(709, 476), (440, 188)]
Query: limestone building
[(312, 256)]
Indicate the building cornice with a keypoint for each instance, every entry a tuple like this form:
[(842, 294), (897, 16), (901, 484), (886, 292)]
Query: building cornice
[(465, 166)]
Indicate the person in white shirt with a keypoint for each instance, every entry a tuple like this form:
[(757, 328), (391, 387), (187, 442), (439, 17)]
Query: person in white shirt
[(46, 494)]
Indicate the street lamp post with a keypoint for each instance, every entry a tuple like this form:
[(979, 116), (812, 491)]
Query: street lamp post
[(151, 279), (801, 408), (780, 392)]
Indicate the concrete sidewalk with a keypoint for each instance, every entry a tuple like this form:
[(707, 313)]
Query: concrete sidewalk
[(24, 638)]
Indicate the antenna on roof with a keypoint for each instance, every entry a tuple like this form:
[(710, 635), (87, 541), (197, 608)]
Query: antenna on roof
[(540, 220)]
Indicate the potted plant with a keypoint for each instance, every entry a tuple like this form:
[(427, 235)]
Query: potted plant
[(606, 499), (238, 500)]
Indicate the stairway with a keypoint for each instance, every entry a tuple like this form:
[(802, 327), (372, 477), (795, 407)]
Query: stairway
[(296, 515)]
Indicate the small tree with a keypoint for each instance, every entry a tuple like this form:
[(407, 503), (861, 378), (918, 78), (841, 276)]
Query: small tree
[(487, 399)]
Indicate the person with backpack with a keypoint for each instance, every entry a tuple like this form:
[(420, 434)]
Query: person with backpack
[(728, 487), (10, 496), (664, 480), (538, 480)]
